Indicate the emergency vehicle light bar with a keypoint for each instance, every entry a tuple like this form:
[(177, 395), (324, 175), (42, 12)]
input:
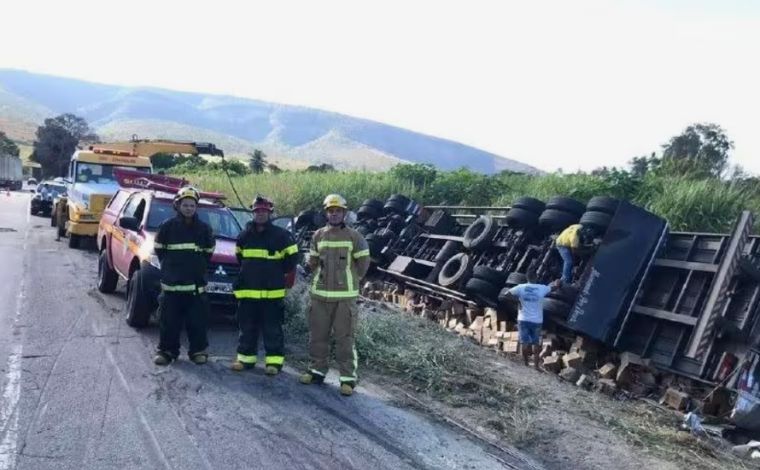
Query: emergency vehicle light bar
[(168, 184)]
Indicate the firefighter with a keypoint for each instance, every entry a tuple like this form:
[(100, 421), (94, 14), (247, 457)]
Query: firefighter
[(339, 257), (268, 257), (184, 245)]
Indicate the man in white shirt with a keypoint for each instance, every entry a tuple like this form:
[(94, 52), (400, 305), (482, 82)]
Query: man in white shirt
[(530, 315)]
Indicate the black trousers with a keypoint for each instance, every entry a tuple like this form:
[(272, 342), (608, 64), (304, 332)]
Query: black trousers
[(183, 310), (264, 317)]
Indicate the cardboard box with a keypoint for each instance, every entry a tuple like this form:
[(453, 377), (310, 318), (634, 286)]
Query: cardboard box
[(553, 364), (675, 399), (608, 371)]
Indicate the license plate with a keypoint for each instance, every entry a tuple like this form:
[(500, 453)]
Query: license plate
[(219, 288)]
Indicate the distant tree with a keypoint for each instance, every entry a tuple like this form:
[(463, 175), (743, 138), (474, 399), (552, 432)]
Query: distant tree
[(419, 174), (7, 146), (163, 160), (274, 169), (258, 161), (235, 167), (56, 141), (701, 150), (321, 168)]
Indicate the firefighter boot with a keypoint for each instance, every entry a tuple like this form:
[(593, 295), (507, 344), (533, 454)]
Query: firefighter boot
[(162, 359), (238, 366), (199, 358), (312, 378), (346, 389)]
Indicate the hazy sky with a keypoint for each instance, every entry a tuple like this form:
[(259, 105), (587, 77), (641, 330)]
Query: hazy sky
[(570, 84)]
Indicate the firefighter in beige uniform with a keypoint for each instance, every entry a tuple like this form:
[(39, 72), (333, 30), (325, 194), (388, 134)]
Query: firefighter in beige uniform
[(339, 257)]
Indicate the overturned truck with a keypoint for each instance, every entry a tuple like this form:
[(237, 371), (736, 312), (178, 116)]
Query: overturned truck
[(685, 301)]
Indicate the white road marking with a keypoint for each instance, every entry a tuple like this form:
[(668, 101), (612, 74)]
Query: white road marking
[(12, 391)]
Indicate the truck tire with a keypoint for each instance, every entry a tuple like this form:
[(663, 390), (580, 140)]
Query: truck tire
[(489, 274), (604, 204), (449, 249), (556, 307), (107, 277), (508, 302), (479, 234), (139, 306), (529, 204), (516, 278), (395, 206), (566, 204), (482, 290), (368, 212), (74, 240), (566, 293), (374, 203), (520, 219), (456, 269), (554, 220), (598, 221)]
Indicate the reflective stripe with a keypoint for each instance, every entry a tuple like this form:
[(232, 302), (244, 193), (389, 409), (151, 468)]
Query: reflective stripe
[(339, 294), (275, 360), (313, 253), (158, 245), (349, 275), (181, 246), (179, 288), (362, 253), (260, 253), (259, 294), (346, 378), (329, 244), (316, 372), (238, 250), (246, 359), (209, 249)]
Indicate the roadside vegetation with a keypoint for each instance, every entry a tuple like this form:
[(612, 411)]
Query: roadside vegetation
[(691, 183)]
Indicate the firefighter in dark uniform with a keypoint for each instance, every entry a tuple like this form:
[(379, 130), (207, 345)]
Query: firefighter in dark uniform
[(184, 245), (268, 257)]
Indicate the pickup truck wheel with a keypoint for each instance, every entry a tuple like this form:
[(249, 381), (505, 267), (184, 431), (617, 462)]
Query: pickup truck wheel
[(74, 240), (107, 277), (139, 306)]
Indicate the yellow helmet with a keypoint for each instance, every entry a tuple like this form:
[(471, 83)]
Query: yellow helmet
[(187, 191), (335, 200)]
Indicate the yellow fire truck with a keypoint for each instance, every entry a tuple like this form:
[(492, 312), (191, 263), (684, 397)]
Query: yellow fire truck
[(90, 183)]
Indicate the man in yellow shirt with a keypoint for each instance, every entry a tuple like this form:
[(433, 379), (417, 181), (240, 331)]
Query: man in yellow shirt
[(570, 242)]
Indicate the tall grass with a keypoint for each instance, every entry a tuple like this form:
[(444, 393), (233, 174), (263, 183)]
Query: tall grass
[(709, 205)]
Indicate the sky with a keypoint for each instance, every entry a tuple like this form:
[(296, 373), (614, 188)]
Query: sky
[(555, 84)]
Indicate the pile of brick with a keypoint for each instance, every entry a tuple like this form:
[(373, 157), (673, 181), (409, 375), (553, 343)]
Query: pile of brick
[(576, 359)]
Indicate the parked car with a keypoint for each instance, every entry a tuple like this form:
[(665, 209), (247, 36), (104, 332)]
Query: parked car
[(31, 182), (42, 201), (125, 241)]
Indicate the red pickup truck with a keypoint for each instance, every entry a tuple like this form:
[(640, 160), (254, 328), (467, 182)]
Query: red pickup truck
[(125, 243)]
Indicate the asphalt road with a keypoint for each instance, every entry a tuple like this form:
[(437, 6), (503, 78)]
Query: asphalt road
[(78, 389)]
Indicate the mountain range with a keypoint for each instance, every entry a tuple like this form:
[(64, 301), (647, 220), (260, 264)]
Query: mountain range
[(291, 136)]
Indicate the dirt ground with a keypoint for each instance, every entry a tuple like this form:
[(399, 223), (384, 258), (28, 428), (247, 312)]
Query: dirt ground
[(561, 425)]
